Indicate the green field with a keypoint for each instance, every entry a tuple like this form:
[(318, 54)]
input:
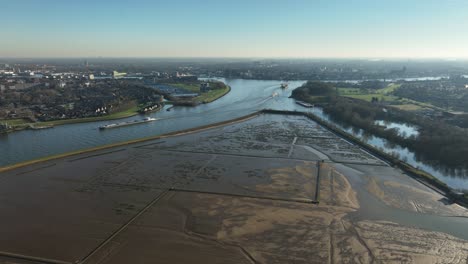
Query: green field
[(207, 97), (14, 122), (192, 87), (383, 94), (347, 91), (212, 95), (389, 89), (408, 107), (368, 97)]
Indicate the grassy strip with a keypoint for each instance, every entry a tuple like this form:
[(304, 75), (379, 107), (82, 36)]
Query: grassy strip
[(123, 114), (214, 95), (118, 115), (388, 89), (408, 107), (192, 87), (385, 94), (417, 174), (368, 97), (83, 151), (14, 122)]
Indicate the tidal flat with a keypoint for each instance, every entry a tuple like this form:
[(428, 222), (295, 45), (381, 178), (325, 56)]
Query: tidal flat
[(271, 189)]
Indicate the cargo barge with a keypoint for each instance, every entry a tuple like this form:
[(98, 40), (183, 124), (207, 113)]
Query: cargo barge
[(129, 123), (304, 104)]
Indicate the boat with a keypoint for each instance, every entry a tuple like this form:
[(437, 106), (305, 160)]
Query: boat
[(304, 104), (149, 109), (129, 123), (40, 127), (284, 85)]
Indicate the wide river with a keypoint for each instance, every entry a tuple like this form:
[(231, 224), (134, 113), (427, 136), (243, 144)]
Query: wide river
[(246, 96)]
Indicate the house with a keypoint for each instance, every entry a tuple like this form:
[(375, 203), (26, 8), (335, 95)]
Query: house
[(204, 87)]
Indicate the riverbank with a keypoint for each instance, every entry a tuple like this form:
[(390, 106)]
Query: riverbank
[(133, 111), (214, 95), (417, 174), (236, 184), (119, 144)]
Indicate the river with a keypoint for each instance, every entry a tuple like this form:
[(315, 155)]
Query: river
[(246, 96)]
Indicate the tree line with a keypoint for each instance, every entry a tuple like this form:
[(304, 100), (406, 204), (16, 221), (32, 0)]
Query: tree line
[(438, 142)]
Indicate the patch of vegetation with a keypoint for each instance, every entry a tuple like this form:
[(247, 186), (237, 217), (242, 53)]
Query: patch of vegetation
[(372, 97), (437, 142), (215, 91), (389, 89), (193, 87), (212, 95), (15, 122), (313, 92), (348, 91), (408, 107), (446, 94)]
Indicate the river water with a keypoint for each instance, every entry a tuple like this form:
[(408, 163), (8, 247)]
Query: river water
[(246, 96)]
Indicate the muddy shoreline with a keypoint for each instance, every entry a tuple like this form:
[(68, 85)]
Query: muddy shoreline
[(416, 174), (234, 193)]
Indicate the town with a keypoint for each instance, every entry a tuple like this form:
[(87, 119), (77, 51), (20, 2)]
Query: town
[(41, 96)]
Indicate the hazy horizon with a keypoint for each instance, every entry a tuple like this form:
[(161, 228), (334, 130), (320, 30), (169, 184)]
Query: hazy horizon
[(296, 29)]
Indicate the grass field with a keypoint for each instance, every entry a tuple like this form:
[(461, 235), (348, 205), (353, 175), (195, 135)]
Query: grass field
[(192, 87), (207, 97), (14, 122), (346, 91), (408, 107), (212, 95), (383, 94), (368, 97), (389, 89)]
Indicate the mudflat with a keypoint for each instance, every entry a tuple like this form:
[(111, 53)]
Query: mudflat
[(272, 189)]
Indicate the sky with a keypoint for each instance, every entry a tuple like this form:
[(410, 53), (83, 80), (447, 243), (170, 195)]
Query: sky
[(240, 28)]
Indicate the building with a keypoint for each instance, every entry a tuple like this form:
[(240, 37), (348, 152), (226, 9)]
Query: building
[(204, 87), (117, 74), (4, 127), (21, 86), (91, 77), (186, 95)]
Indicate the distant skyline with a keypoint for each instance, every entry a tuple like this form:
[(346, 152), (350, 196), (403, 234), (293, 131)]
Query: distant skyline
[(241, 28)]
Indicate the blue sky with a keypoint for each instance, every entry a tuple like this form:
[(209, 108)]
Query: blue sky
[(241, 28)]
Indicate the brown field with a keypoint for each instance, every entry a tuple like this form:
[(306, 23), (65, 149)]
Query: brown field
[(240, 193)]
